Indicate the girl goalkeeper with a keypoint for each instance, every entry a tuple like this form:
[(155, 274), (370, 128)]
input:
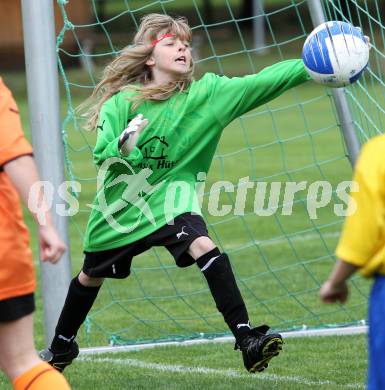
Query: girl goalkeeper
[(158, 127)]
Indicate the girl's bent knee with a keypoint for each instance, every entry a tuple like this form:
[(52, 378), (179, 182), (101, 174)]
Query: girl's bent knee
[(89, 281), (201, 246)]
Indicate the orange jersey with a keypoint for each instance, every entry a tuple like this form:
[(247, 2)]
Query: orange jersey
[(16, 266)]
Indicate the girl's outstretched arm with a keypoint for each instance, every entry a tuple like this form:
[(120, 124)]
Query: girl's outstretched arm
[(233, 97)]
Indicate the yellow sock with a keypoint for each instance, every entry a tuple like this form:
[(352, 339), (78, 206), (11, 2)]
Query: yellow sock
[(41, 377)]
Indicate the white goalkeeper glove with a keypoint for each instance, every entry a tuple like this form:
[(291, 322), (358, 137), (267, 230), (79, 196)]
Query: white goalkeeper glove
[(130, 135)]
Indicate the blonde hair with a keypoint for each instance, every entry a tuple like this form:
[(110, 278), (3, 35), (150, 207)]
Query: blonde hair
[(129, 69)]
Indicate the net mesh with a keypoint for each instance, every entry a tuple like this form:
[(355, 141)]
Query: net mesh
[(279, 261)]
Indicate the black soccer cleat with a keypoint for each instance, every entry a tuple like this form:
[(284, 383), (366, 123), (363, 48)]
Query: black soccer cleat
[(62, 359), (258, 348)]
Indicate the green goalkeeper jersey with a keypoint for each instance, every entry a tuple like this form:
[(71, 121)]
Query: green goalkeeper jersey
[(139, 194)]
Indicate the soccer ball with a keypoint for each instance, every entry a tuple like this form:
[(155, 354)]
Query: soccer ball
[(335, 54)]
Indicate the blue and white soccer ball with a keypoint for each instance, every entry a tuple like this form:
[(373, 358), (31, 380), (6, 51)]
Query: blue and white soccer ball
[(335, 54)]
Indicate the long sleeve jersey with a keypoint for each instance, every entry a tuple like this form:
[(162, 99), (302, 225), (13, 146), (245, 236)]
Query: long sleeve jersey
[(140, 193)]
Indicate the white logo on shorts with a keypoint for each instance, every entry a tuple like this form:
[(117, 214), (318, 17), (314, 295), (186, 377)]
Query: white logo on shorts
[(180, 234)]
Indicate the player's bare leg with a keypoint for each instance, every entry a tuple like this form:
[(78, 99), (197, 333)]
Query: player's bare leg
[(19, 360), (17, 350), (201, 246), (89, 281)]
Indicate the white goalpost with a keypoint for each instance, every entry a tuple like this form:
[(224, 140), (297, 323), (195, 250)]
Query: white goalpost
[(45, 123)]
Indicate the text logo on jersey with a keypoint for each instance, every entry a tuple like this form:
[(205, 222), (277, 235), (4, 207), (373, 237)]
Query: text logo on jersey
[(136, 187), (154, 150)]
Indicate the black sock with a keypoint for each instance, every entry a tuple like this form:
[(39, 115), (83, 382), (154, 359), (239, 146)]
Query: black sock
[(217, 270), (76, 307)]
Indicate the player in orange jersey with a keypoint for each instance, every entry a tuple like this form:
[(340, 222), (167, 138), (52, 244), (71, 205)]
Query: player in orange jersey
[(18, 357)]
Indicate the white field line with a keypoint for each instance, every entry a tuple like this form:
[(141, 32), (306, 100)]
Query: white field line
[(349, 330), (215, 372)]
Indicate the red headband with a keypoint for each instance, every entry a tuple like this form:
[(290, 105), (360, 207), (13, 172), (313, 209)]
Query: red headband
[(168, 35)]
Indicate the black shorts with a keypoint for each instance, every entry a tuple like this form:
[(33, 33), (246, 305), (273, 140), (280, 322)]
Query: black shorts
[(176, 238), (11, 309)]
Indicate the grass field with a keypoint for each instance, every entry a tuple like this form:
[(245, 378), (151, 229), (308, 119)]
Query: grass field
[(115, 7), (306, 363), (280, 261)]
